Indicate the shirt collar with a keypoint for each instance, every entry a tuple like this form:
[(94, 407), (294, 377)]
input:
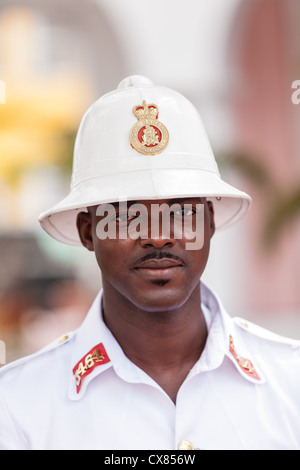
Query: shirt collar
[(91, 333), (95, 349), (224, 339)]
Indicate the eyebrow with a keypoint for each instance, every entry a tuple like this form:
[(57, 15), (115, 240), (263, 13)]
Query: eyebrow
[(185, 199), (128, 203), (172, 201)]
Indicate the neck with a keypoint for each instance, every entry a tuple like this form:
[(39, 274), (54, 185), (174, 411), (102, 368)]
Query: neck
[(164, 344)]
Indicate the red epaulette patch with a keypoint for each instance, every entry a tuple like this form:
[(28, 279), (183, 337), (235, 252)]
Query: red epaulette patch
[(245, 364), (94, 358)]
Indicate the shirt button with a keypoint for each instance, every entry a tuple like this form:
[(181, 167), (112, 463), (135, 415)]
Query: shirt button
[(63, 338), (244, 323), (185, 445)]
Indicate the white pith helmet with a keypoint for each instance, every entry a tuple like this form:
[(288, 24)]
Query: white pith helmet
[(125, 151)]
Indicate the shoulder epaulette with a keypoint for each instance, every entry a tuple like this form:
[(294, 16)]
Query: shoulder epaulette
[(265, 333), (64, 339)]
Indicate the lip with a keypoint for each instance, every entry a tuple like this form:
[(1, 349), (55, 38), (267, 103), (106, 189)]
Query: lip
[(158, 264), (162, 269)]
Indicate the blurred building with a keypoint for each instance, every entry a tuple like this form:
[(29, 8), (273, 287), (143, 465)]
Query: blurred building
[(264, 50), (236, 60)]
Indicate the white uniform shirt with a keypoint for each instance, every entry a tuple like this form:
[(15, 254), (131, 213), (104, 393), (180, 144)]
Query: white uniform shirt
[(82, 392)]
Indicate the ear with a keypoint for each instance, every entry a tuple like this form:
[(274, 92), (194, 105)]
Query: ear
[(211, 217), (84, 227)]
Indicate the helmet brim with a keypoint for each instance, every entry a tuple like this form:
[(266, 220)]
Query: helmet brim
[(230, 204)]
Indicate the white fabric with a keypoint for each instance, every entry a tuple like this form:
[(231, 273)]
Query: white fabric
[(120, 407)]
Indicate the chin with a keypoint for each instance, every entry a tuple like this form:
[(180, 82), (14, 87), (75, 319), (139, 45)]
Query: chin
[(162, 298)]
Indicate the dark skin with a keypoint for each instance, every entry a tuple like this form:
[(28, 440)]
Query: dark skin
[(151, 294)]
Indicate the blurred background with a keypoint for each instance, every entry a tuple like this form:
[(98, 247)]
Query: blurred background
[(236, 60)]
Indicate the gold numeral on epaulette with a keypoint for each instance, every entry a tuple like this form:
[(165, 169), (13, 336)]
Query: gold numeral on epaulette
[(89, 362), (97, 356)]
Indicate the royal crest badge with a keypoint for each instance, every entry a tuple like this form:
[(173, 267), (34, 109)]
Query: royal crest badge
[(148, 136)]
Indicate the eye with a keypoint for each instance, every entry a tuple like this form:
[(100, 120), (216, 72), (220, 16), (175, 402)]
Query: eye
[(185, 211), (124, 217)]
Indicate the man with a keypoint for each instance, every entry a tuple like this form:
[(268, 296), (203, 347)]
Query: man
[(157, 363)]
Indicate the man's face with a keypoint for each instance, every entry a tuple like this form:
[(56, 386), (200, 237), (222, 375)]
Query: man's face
[(154, 271)]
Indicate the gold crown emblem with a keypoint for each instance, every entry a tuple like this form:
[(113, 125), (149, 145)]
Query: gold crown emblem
[(148, 136), (147, 110)]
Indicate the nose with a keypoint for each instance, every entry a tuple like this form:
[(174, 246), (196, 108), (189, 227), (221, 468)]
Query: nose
[(157, 237), (158, 242)]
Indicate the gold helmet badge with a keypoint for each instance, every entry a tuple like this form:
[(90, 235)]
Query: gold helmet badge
[(148, 136)]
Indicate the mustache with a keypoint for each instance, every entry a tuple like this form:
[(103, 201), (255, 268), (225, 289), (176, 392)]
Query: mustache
[(159, 255)]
